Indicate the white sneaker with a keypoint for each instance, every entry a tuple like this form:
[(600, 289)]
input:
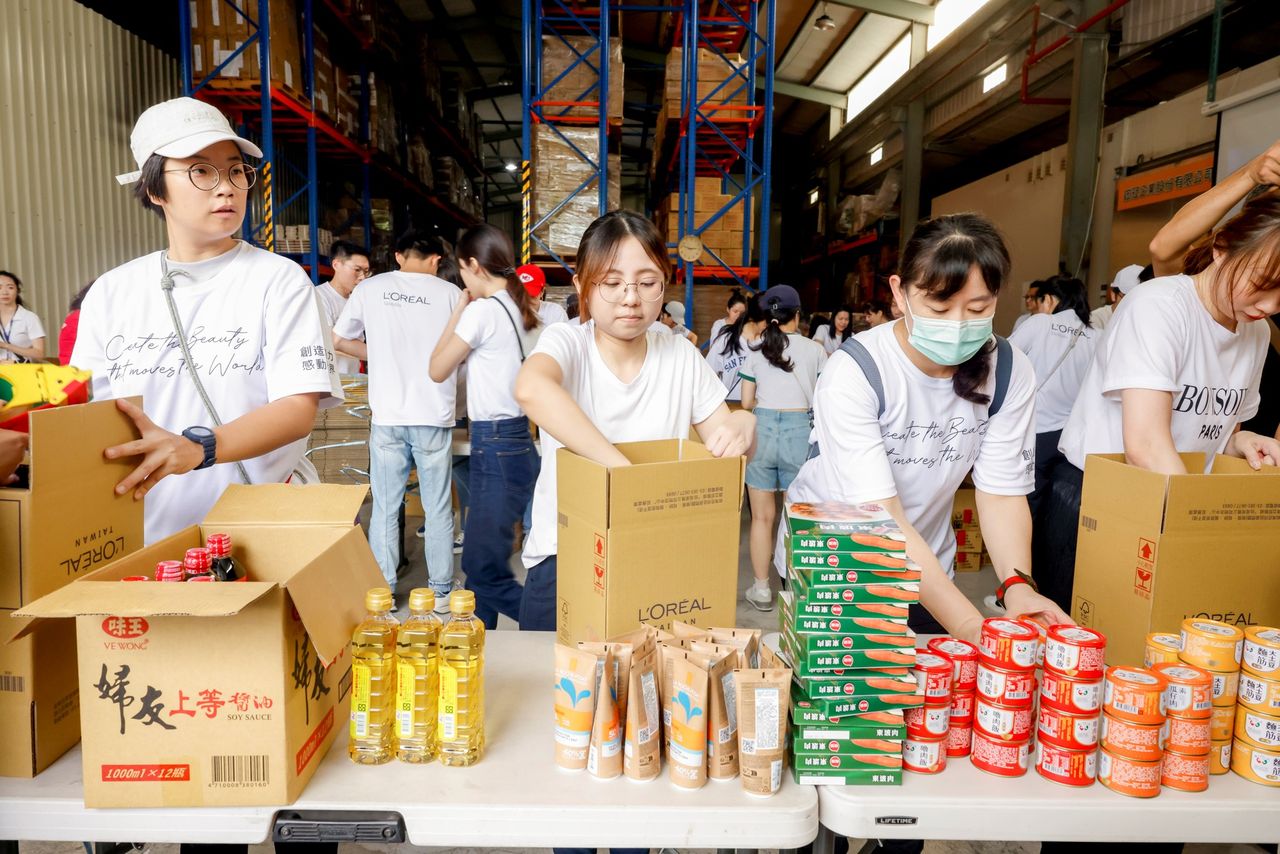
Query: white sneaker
[(457, 543), (990, 602), (442, 602), (422, 529), (760, 596)]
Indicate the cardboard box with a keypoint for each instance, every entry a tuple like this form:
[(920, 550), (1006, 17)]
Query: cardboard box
[(969, 561), (964, 517), (1154, 549), (652, 542), (570, 74), (859, 728), (39, 695), (969, 540), (67, 521), (222, 694)]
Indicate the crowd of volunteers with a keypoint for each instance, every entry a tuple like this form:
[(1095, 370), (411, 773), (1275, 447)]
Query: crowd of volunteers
[(234, 351)]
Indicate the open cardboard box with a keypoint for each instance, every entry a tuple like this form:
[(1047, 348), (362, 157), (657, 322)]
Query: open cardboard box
[(39, 694), (652, 542), (221, 694), (1155, 549)]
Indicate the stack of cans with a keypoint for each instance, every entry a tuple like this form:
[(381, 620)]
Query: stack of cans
[(1188, 702), (1134, 731), (1256, 751), (1216, 647), (844, 632), (964, 685), (1003, 706), (1071, 699), (925, 749)]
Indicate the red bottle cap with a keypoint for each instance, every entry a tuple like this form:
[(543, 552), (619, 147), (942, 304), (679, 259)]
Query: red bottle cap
[(219, 545), (197, 561), (169, 570)]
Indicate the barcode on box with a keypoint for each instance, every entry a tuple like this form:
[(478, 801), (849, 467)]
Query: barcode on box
[(9, 682), (240, 770), (1089, 523)]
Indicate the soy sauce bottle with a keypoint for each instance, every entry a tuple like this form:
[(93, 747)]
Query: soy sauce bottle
[(225, 567)]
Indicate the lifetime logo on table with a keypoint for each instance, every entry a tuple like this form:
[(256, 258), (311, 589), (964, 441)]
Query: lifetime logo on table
[(897, 819)]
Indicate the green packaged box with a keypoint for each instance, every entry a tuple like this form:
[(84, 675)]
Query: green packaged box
[(872, 682), (835, 567), (805, 715), (858, 633), (834, 517), (846, 747), (884, 725), (893, 587), (813, 541), (803, 625), (816, 663), (837, 706), (868, 610), (815, 776)]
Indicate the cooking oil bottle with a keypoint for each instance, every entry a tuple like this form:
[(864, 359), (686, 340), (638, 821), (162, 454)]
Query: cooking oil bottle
[(373, 677), (461, 682), (418, 678)]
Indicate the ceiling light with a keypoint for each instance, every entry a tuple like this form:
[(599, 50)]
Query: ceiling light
[(824, 22), (511, 167)]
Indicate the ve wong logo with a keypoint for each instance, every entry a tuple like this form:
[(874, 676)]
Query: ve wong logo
[(125, 628)]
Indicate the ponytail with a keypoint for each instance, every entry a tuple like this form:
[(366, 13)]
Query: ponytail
[(971, 375), (1070, 293), (774, 342), (732, 332), (491, 248)]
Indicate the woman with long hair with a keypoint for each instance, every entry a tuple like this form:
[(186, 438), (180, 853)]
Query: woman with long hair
[(730, 345)]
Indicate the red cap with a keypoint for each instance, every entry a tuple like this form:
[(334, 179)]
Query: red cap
[(219, 545), (169, 570), (533, 279), (197, 560)]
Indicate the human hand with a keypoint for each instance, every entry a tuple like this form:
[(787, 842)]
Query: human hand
[(163, 453), (1021, 600), (1265, 168), (1257, 450), (735, 437)]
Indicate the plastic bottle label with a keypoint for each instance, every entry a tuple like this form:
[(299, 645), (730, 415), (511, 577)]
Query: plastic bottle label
[(448, 702), (406, 683), (360, 696)]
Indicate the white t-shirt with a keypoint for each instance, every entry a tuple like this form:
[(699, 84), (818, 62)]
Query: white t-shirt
[(333, 303), (24, 328), (256, 335), (715, 329), (921, 449), (402, 316), (829, 341), (779, 389), (1022, 318), (1046, 339), (659, 326), (727, 364), (494, 359), (673, 391), (1166, 340), (1101, 316), (551, 312)]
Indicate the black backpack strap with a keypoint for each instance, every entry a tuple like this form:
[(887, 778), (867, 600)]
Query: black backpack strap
[(863, 359), (1004, 369)]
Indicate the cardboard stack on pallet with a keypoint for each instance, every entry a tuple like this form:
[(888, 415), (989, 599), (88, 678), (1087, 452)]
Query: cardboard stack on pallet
[(217, 30), (558, 171), (564, 81), (720, 83), (339, 444), (724, 237)]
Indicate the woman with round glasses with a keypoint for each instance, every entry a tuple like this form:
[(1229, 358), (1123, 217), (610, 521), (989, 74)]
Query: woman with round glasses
[(223, 341), (610, 380)]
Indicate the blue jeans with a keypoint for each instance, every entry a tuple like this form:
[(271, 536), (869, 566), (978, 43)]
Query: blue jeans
[(538, 607), (782, 444), (392, 452), (503, 468)]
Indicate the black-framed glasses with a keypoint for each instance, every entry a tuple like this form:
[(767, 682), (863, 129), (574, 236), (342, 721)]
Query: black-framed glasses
[(207, 177), (614, 292)]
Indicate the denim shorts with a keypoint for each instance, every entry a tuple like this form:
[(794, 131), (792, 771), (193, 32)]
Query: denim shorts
[(782, 445)]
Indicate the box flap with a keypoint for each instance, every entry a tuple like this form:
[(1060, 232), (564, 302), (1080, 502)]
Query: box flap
[(662, 451), (656, 494), (14, 627), (147, 599), (67, 444), (282, 504), (328, 592), (1234, 497), (1115, 490), (582, 488)]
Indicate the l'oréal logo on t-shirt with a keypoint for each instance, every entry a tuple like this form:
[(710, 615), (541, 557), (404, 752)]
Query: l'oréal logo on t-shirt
[(398, 298), (1209, 400)]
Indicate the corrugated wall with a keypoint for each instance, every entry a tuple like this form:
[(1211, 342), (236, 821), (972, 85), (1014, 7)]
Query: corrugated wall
[(71, 85)]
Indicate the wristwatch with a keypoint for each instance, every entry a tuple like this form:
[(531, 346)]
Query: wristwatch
[(1018, 577), (203, 437)]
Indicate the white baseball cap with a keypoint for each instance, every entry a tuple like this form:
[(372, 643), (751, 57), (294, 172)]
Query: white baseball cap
[(180, 128), (676, 310), (1127, 278)]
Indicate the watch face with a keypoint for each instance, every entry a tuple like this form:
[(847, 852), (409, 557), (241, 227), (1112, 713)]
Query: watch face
[(198, 432)]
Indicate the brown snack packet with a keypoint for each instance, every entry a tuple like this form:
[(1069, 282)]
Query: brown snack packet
[(746, 641), (764, 706), (642, 746), (604, 759), (620, 680)]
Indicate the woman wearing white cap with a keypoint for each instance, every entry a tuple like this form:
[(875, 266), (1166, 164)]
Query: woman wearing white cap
[(1127, 278), (224, 342)]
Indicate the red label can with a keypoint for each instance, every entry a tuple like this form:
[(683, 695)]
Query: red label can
[(924, 755), (927, 722), (935, 674), (962, 708), (1188, 737), (1002, 723), (1069, 693), (1128, 776), (963, 657), (1183, 772), (1135, 695), (1069, 767), (959, 740), (1075, 651), (1190, 691), (1013, 688), (1067, 730), (1010, 644), (1139, 742), (998, 757)]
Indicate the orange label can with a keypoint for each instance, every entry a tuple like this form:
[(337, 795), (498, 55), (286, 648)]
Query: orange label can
[(1188, 737), (1134, 695), (1258, 729), (1223, 723), (1211, 644), (1128, 776), (1255, 764), (1226, 687), (1261, 654), (1190, 691), (1220, 757), (1162, 648), (1261, 695), (1183, 772), (1139, 742)]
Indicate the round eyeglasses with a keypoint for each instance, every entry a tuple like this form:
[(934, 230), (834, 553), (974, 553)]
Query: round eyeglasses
[(207, 177), (614, 292)]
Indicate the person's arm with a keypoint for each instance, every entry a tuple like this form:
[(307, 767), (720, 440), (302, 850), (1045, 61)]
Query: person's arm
[(1256, 450), (450, 350), (748, 393), (12, 447), (351, 347), (728, 434), (692, 336), (541, 394), (32, 353), (1148, 435), (1005, 521), (251, 435), (1199, 216)]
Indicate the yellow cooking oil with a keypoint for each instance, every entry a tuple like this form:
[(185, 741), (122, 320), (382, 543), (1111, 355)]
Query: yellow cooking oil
[(461, 718), (418, 678), (373, 677)]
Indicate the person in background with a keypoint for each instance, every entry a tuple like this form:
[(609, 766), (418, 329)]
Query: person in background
[(778, 378), (672, 317), (70, 326), (493, 327), (1126, 279), (610, 381), (350, 268), (403, 315), (839, 331), (535, 283), (734, 307), (728, 350), (817, 322), (571, 309), (875, 312), (244, 413), (1178, 371), (1028, 304), (21, 334)]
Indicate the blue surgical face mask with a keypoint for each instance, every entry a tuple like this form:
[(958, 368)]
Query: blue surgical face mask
[(945, 341)]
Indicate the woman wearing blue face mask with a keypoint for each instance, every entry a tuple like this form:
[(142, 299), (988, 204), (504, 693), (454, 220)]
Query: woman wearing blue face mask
[(904, 411)]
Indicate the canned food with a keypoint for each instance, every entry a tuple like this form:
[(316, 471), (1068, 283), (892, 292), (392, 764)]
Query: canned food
[(1222, 723), (962, 708), (963, 656), (1220, 757), (1042, 629), (1002, 723), (1009, 644), (1183, 772), (1258, 729), (1252, 763), (934, 673), (1068, 767), (924, 755), (1134, 695), (959, 740), (1262, 651), (1211, 644), (1188, 737), (1226, 687), (999, 757), (1013, 688), (1162, 648), (1262, 695), (1128, 776), (1190, 691), (1140, 742), (1069, 693), (926, 722), (1075, 651), (1068, 730)]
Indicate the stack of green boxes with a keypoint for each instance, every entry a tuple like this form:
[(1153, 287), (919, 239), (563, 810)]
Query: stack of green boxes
[(844, 631)]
